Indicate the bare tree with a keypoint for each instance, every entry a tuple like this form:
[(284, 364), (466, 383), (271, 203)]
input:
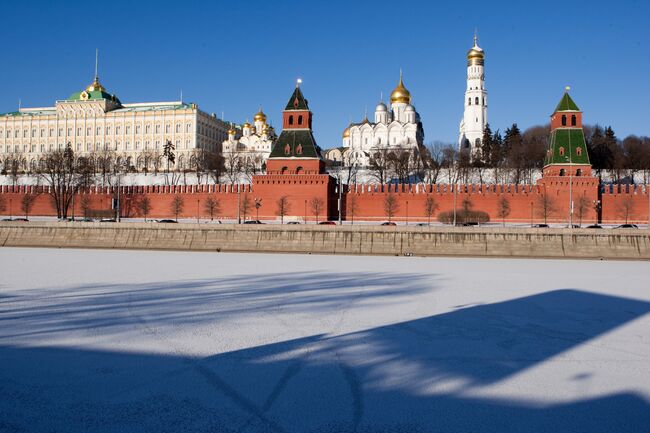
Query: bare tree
[(59, 172), (13, 165), (625, 207), (177, 205), (352, 167), (391, 206), (27, 203), (379, 166), (3, 204), (245, 206), (430, 207), (144, 206), (234, 166), (352, 207), (212, 206), (546, 206), (316, 204), (283, 207), (432, 161), (84, 204), (399, 161), (503, 208), (581, 207)]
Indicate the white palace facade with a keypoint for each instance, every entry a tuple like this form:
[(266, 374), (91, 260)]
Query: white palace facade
[(94, 121), (397, 126)]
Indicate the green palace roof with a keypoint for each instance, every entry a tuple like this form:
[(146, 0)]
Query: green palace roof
[(567, 146), (295, 144), (94, 92), (566, 104)]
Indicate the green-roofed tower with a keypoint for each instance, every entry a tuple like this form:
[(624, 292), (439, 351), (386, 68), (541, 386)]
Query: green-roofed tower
[(296, 151), (567, 149)]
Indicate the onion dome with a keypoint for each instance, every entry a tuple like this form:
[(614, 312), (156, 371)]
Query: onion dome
[(400, 93), (260, 116), (246, 125), (232, 131), (346, 132), (476, 55), (95, 86), (409, 108), (381, 107)]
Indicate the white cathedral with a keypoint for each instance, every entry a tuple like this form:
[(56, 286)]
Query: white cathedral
[(475, 116), (394, 127), (251, 144)]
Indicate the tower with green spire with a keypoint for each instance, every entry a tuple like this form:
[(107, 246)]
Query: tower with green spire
[(567, 149)]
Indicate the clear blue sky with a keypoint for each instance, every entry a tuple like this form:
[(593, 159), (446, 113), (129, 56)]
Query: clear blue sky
[(234, 56)]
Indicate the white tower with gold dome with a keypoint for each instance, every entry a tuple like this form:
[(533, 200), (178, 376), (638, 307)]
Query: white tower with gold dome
[(395, 127), (475, 117)]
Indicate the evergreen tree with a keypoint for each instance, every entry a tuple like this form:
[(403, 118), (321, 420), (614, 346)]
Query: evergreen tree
[(496, 153), (599, 153), (486, 146)]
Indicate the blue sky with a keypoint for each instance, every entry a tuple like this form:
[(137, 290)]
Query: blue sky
[(232, 57)]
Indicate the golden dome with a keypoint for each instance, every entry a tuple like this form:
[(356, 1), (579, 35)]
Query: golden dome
[(95, 86), (260, 116), (476, 55), (346, 132), (400, 93), (246, 125), (232, 131)]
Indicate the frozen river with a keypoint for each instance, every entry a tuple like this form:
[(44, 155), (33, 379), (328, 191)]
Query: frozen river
[(116, 341)]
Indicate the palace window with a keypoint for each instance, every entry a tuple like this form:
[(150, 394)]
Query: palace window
[(147, 129), (69, 131), (188, 127), (42, 133), (99, 130), (168, 128), (16, 134), (137, 145), (127, 129), (157, 129), (8, 133), (118, 130), (33, 133), (137, 128), (89, 131), (78, 132), (60, 132), (51, 132), (108, 130)]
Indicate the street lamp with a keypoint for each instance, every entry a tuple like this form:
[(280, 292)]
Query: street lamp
[(407, 212), (198, 201), (305, 218)]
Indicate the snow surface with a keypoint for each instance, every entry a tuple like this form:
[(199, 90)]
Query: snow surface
[(117, 341)]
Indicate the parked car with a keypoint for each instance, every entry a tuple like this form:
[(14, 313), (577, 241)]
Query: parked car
[(108, 220), (24, 220), (168, 221), (595, 226), (422, 224), (388, 223), (627, 226), (293, 223), (327, 223), (7, 219), (467, 224), (253, 222), (541, 226)]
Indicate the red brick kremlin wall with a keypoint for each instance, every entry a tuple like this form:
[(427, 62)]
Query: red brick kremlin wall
[(367, 200)]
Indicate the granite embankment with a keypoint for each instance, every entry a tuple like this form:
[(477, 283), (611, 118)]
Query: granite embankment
[(420, 241)]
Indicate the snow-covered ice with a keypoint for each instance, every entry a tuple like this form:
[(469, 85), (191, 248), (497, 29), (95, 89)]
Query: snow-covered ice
[(117, 341)]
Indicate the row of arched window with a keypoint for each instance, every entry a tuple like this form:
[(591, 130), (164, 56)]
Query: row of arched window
[(476, 101), (574, 120), (299, 120)]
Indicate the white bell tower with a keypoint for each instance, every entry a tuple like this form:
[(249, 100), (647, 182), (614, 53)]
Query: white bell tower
[(475, 116)]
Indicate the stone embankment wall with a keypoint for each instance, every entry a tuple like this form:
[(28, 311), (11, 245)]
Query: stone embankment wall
[(419, 241)]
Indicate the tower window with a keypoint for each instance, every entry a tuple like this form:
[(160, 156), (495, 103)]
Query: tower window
[(476, 100), (563, 120), (561, 151), (573, 120), (561, 172), (300, 120), (579, 172), (290, 120), (469, 101), (579, 151)]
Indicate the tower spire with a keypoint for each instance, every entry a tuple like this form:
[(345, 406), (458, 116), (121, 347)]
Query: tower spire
[(96, 64), (475, 37)]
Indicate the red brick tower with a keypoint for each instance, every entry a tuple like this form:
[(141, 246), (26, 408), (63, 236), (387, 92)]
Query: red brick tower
[(567, 181), (295, 170)]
